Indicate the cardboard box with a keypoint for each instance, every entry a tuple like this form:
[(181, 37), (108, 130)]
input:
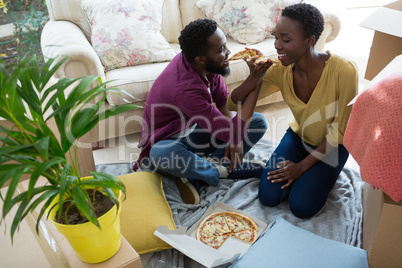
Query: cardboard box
[(185, 240), (50, 248), (395, 66), (386, 21), (382, 229)]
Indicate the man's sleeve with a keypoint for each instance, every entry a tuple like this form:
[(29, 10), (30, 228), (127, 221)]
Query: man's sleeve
[(196, 105)]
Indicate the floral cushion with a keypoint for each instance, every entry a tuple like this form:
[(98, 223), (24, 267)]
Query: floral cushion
[(246, 21), (127, 32)]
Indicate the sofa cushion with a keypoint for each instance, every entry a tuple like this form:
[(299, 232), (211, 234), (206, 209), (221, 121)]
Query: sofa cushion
[(286, 245), (189, 13), (246, 21), (127, 32), (136, 80), (171, 23), (144, 209), (69, 11)]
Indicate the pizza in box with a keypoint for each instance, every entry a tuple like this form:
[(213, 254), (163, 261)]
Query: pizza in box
[(215, 229)]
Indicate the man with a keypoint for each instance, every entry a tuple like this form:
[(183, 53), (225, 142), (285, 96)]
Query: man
[(186, 119)]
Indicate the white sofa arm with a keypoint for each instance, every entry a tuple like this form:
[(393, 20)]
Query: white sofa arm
[(332, 28), (63, 38)]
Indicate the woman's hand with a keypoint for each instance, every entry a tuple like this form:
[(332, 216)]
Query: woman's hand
[(257, 70), (287, 171)]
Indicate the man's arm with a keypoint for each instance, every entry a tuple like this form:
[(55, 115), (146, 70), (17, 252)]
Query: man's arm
[(247, 95), (245, 114)]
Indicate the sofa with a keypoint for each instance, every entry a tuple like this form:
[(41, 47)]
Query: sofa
[(68, 33)]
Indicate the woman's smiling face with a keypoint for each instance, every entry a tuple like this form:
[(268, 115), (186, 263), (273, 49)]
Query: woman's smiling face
[(290, 41)]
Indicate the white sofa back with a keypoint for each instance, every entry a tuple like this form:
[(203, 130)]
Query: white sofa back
[(176, 14)]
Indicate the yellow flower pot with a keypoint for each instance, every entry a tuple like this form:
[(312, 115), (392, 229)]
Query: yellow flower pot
[(93, 245)]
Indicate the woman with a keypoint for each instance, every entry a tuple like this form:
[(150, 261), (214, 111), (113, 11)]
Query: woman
[(317, 87)]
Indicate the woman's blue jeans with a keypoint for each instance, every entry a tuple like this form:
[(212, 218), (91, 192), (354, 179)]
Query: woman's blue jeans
[(308, 194), (186, 157)]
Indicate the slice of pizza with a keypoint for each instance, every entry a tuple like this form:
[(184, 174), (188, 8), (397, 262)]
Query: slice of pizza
[(215, 241), (242, 54), (251, 53), (262, 58), (238, 222), (213, 225), (248, 235)]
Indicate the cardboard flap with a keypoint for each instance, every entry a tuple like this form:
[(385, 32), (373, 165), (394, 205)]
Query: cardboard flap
[(185, 240), (385, 20), (193, 248), (395, 66)]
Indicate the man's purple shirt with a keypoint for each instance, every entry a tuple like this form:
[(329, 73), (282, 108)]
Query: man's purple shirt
[(180, 98)]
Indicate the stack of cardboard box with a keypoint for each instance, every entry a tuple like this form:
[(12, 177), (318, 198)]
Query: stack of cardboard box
[(382, 220)]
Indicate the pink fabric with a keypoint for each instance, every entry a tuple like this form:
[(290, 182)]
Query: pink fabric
[(374, 135)]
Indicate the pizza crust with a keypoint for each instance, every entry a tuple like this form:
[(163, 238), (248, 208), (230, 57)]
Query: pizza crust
[(251, 53), (242, 54), (215, 229)]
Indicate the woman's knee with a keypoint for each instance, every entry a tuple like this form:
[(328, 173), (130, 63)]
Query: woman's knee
[(305, 208), (270, 195), (268, 200)]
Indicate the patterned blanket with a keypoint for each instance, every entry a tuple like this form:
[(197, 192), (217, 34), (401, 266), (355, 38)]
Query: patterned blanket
[(340, 219)]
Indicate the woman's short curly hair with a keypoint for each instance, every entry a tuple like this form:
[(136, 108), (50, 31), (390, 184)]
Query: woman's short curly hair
[(194, 38), (309, 17)]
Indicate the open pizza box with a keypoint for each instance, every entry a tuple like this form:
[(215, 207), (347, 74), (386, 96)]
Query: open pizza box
[(184, 240)]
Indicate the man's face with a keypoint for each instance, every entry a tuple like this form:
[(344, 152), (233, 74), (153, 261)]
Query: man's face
[(218, 54)]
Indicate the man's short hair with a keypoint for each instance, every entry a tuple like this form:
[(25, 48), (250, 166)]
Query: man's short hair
[(309, 17), (194, 38)]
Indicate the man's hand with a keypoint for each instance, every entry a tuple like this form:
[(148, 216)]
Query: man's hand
[(286, 171), (236, 155)]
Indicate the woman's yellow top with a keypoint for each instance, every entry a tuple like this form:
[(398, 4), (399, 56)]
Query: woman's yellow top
[(326, 114)]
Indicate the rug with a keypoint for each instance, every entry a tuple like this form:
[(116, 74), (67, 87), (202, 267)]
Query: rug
[(340, 219)]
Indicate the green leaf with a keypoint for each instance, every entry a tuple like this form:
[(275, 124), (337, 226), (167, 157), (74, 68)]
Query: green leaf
[(42, 146), (41, 170), (76, 95), (48, 72), (118, 110), (15, 179), (82, 119), (50, 196), (7, 171), (103, 184), (22, 196), (108, 113), (101, 176), (16, 149), (18, 217), (63, 184), (54, 145), (59, 87), (28, 94), (84, 205)]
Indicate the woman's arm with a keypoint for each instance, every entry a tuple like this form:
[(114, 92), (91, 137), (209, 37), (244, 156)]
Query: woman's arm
[(290, 171), (257, 72)]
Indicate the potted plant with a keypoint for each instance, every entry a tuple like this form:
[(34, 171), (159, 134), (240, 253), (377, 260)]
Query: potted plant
[(31, 147)]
